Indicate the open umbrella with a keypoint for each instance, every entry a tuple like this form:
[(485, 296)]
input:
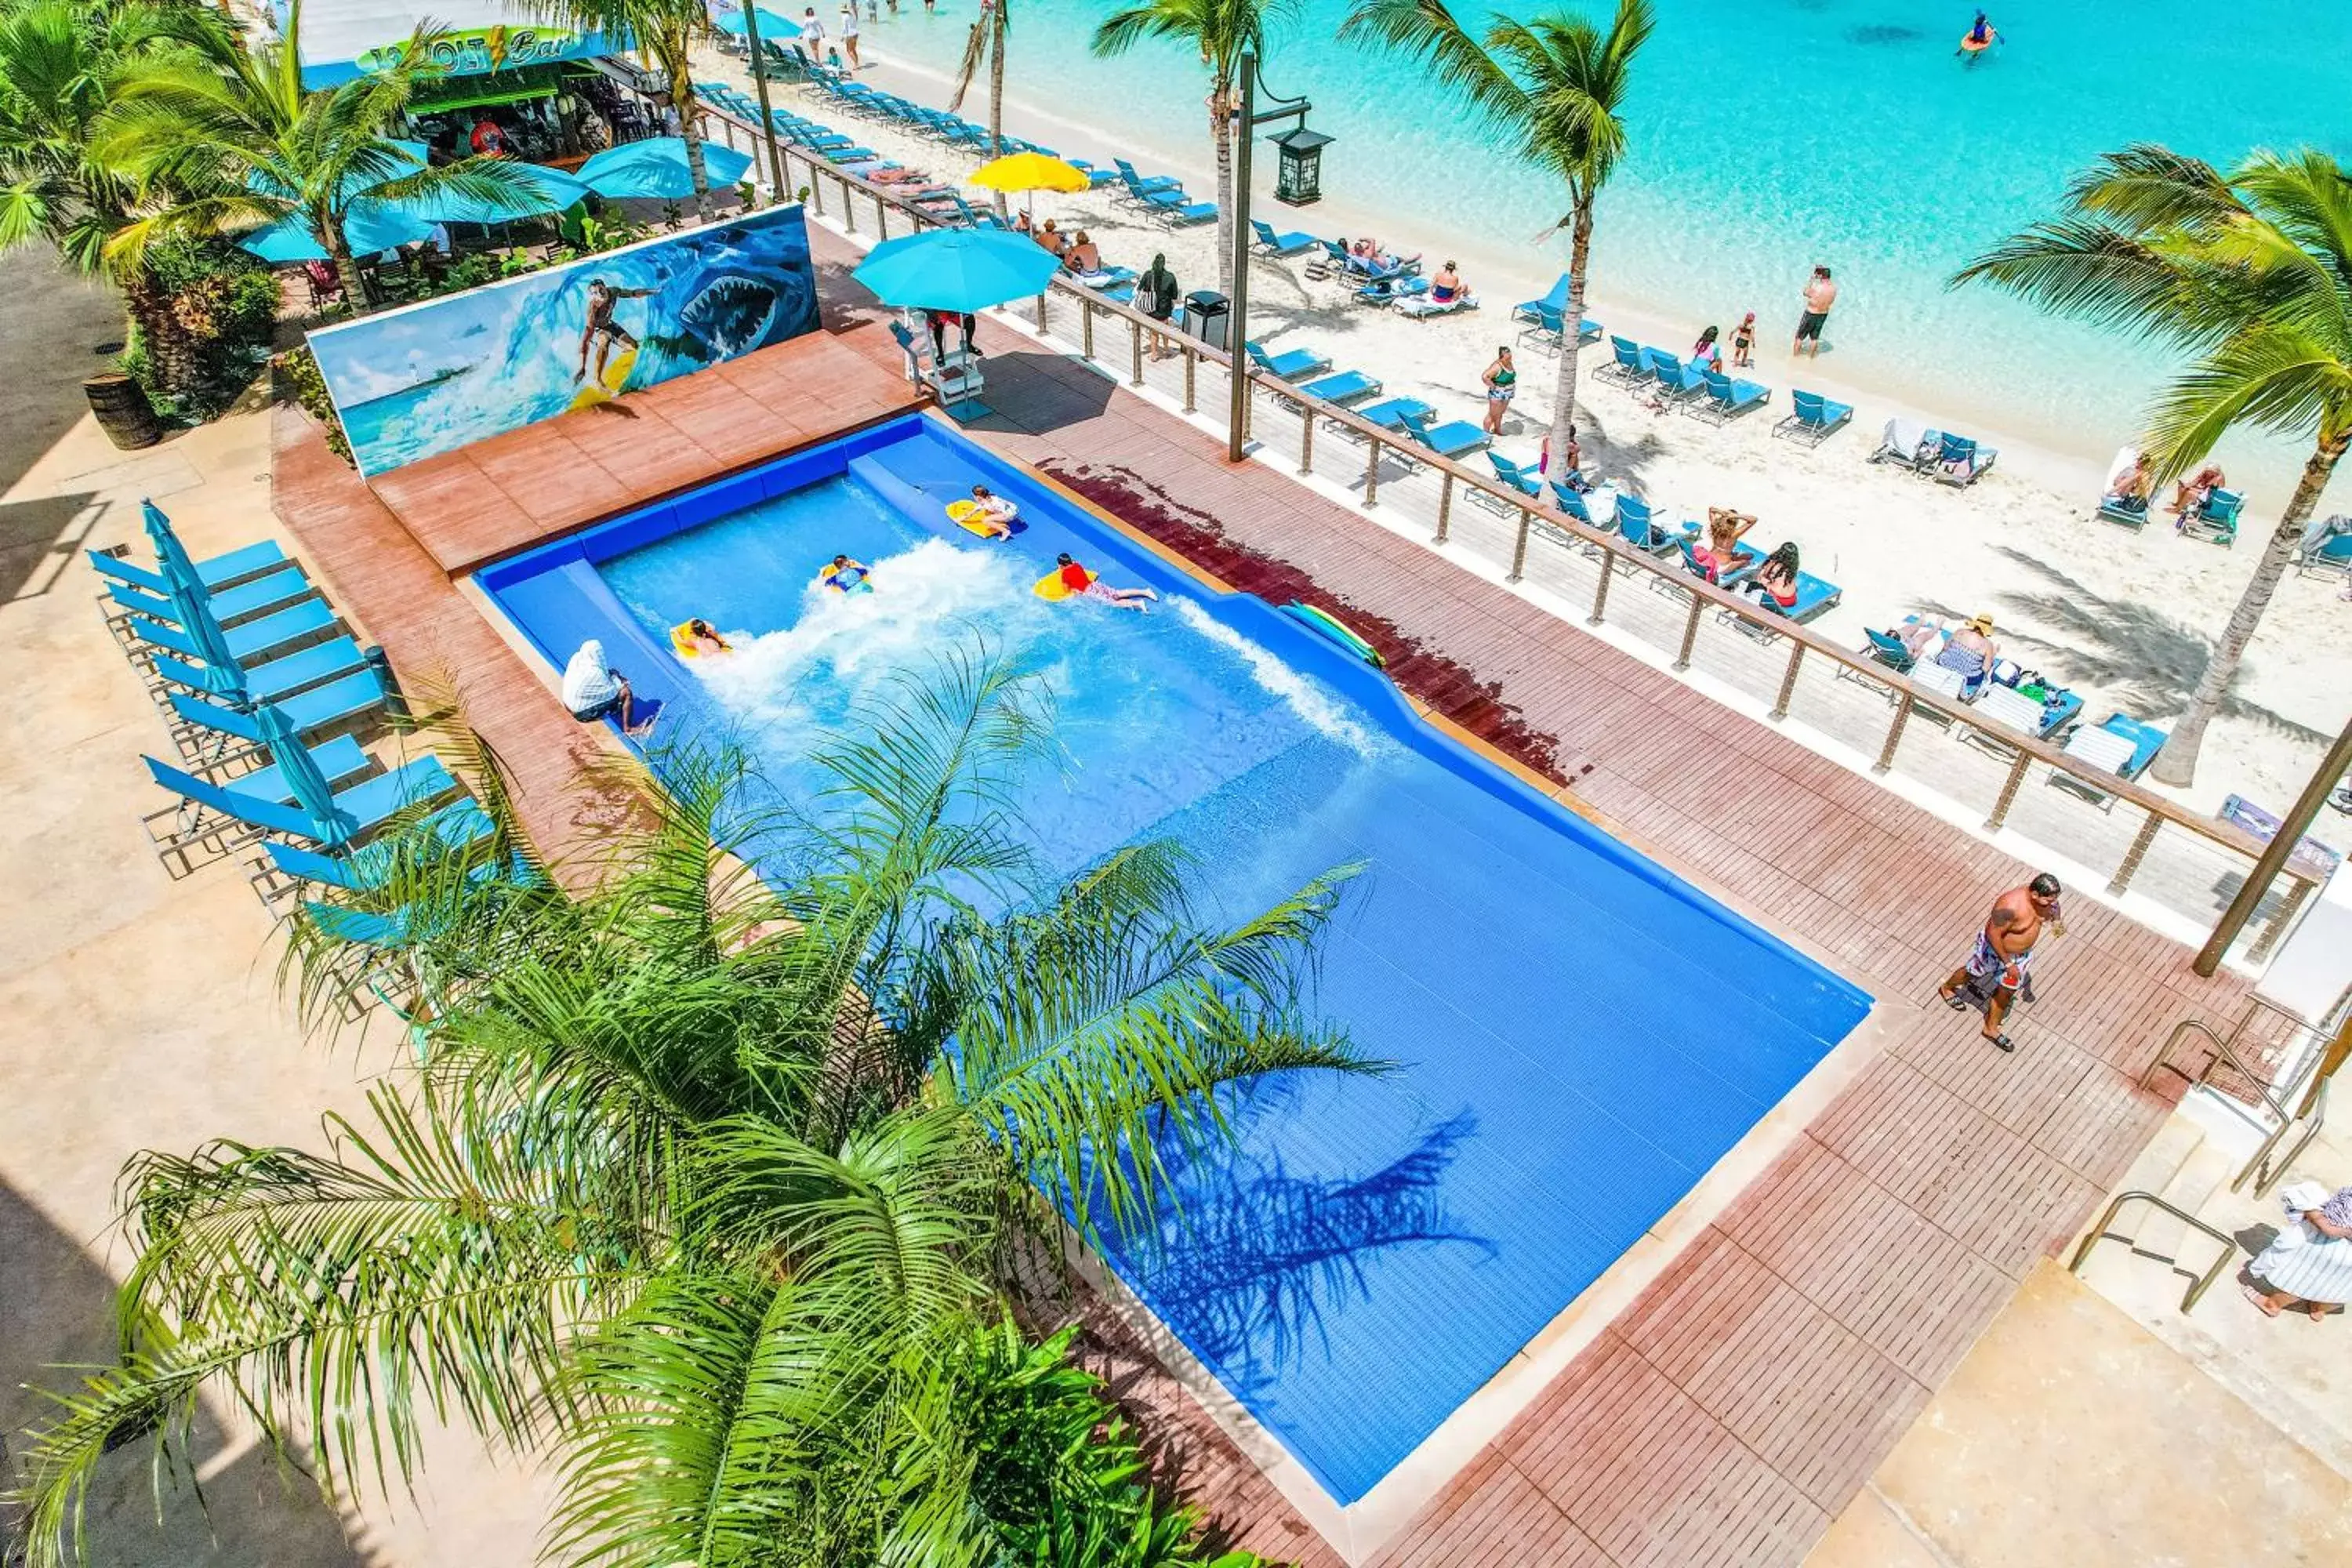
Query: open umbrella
[(773, 29), (958, 270), (369, 226), (550, 190), (304, 781), (1030, 172), (657, 167)]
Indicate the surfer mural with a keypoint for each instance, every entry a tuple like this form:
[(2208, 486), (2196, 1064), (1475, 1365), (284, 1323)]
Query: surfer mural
[(432, 377)]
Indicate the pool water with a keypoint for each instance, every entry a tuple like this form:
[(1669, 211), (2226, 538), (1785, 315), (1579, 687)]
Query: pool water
[(1577, 1036), (1765, 137)]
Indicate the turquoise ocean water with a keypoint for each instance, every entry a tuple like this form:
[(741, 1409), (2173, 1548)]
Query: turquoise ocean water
[(1771, 134)]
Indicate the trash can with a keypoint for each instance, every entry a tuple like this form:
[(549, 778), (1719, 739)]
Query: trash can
[(1208, 316)]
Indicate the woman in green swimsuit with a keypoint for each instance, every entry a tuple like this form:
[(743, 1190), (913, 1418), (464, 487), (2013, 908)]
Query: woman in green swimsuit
[(1501, 377)]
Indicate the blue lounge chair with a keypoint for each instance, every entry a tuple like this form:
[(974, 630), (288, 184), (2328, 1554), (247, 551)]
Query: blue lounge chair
[(253, 639), (1455, 438), (220, 571), (1289, 366), (1345, 386), (1391, 413), (1677, 381), (1813, 418), (1723, 399), (1292, 243), (2120, 744), (1138, 187), (254, 596), (1554, 302), (1391, 287), (1639, 529), (1744, 563), (1524, 480), (1548, 328), (211, 731), (232, 817), (2326, 548), (1180, 213), (2115, 508), (266, 682), (1815, 596), (366, 869), (1961, 461), (1627, 363), (1571, 500), (2215, 518), (1886, 649)]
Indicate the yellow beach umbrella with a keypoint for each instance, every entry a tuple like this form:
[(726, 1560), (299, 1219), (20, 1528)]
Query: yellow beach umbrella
[(1029, 172)]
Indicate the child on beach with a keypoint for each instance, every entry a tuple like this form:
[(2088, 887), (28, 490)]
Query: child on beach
[(1743, 342), (1704, 352)]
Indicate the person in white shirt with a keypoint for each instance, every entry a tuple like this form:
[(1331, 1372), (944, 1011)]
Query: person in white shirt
[(593, 689), (849, 33)]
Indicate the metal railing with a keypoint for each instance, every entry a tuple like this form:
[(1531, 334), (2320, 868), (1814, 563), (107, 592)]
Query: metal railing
[(2143, 843), (2272, 1086), (2101, 1232)]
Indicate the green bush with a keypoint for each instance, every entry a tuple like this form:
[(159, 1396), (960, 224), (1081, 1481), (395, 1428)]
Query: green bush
[(222, 309), (297, 376)]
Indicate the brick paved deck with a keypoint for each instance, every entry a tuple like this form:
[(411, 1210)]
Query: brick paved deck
[(1731, 1412)]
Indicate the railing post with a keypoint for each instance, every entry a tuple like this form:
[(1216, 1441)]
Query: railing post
[(2279, 923), (1372, 473), (1894, 735), (2009, 789), (848, 207), (1788, 680), (1191, 367), (1519, 546), (816, 188), (1601, 591), (1307, 451), (1690, 633), (1445, 509), (1086, 328), (1041, 313), (2135, 854), (881, 217), (1135, 344)]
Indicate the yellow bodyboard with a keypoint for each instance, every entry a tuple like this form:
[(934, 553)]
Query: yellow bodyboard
[(616, 376), (1051, 586)]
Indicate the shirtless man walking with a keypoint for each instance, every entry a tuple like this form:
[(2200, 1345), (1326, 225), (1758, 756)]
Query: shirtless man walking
[(1995, 973)]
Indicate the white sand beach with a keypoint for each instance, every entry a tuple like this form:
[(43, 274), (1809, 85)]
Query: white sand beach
[(2122, 617)]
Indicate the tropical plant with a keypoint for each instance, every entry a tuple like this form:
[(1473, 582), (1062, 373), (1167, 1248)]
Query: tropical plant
[(666, 30), (1556, 85), (1223, 31), (990, 32), (59, 66), (2249, 274), (714, 1178), (224, 142), (224, 308)]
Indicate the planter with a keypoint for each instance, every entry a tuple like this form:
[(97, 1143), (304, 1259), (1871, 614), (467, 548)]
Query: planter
[(122, 410)]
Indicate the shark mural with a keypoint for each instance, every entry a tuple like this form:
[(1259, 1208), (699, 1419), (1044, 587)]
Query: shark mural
[(432, 377)]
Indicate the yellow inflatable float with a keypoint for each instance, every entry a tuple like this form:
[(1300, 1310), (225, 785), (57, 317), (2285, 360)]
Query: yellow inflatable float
[(686, 642), (972, 517)]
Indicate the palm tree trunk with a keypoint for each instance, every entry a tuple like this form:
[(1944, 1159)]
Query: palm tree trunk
[(1220, 134), (2176, 763), (346, 267), (996, 92), (681, 97), (1571, 319), (170, 362)]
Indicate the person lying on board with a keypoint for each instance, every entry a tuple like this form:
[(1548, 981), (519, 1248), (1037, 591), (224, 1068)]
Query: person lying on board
[(1083, 583)]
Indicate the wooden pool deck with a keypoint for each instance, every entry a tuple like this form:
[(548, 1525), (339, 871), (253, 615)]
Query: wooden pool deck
[(1734, 1409)]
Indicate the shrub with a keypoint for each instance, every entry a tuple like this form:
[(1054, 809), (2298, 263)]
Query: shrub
[(223, 308), (297, 376)]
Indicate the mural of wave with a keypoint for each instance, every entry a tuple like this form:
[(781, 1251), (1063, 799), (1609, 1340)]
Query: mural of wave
[(430, 378)]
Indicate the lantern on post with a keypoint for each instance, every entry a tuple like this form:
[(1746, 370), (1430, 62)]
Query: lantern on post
[(1299, 177)]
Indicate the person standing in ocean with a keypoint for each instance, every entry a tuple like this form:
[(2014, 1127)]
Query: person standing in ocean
[(1820, 295), (849, 34)]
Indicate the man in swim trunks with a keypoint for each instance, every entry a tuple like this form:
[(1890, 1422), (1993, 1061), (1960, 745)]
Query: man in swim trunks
[(1820, 295), (602, 331), (1995, 973)]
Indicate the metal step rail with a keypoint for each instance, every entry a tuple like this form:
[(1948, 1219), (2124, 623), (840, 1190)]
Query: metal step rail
[(2102, 1232)]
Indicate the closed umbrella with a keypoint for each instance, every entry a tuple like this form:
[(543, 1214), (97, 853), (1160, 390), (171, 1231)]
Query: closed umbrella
[(656, 167), (193, 611), (959, 269), (304, 781)]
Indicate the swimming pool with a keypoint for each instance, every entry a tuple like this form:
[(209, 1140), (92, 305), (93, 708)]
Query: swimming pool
[(1767, 136), (1579, 1035)]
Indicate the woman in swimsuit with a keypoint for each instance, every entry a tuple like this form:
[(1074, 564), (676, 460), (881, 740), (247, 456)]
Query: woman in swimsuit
[(1743, 342), (1446, 287), (1501, 377), (1776, 580), (1724, 528)]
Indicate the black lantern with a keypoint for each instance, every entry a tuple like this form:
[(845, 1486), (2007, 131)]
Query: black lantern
[(1298, 180)]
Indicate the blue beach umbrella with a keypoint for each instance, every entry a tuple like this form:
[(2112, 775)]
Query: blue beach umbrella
[(304, 781), (369, 226), (772, 27), (957, 269), (657, 167), (551, 191)]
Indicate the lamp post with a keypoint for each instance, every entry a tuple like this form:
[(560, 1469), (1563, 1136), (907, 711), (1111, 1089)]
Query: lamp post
[(760, 81), (1249, 118), (2329, 773)]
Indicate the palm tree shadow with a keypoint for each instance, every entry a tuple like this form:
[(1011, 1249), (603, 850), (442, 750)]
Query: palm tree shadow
[(2148, 660), (1260, 1258)]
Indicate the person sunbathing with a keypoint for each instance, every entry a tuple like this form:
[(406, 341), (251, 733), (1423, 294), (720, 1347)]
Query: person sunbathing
[(1077, 579), (1776, 580), (1084, 255), (2128, 490), (1724, 528), (1916, 635), (1969, 653), (1052, 238), (2190, 494), (1446, 287)]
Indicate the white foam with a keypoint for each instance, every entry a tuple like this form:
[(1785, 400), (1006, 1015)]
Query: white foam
[(1313, 705)]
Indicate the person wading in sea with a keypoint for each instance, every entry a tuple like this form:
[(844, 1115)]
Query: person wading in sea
[(1995, 973)]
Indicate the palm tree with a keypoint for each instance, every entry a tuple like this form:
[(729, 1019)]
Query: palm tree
[(720, 1184), (1222, 30), (59, 65), (220, 143), (668, 30), (1555, 85), (2250, 273), (987, 41)]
